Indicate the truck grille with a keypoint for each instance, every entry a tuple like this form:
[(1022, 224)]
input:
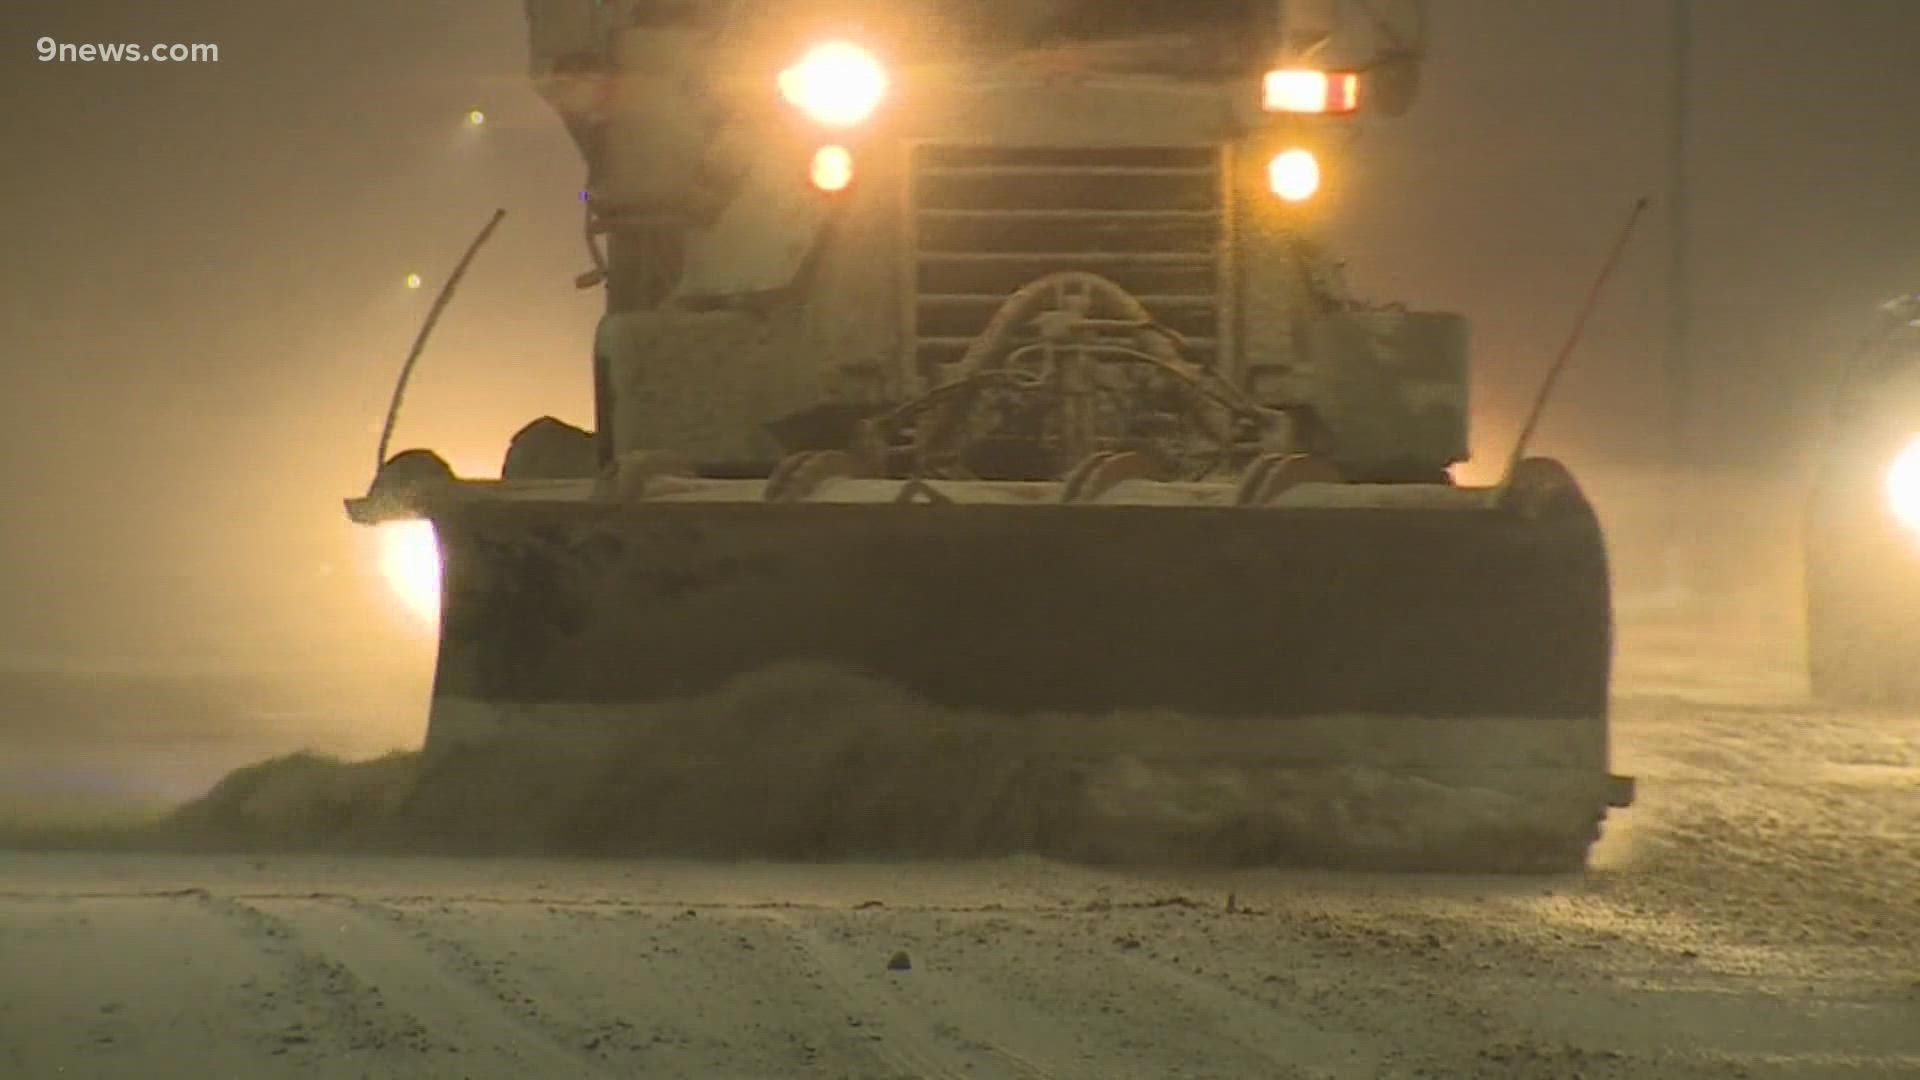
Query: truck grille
[(988, 220)]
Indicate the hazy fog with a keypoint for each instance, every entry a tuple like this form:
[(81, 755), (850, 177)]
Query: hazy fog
[(202, 304)]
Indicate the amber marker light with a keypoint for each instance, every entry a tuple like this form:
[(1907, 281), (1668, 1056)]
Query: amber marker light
[(1300, 90), (832, 169)]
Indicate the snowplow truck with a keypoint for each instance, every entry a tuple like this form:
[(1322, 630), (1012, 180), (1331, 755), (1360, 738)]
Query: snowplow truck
[(989, 350), (1863, 525)]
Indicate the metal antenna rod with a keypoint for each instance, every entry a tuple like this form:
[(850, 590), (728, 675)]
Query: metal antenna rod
[(1573, 340), (426, 331)]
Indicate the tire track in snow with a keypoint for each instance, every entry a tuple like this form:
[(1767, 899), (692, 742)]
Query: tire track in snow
[(326, 1006), (1288, 1038), (1103, 992), (691, 994), (918, 1029), (377, 975)]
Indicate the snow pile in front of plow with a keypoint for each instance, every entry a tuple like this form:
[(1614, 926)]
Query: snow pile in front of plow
[(800, 762)]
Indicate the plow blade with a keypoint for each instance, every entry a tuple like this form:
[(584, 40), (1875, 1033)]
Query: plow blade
[(1406, 677)]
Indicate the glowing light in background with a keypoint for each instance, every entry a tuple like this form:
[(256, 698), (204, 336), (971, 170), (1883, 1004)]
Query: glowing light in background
[(476, 118), (410, 563), (1903, 485), (414, 281)]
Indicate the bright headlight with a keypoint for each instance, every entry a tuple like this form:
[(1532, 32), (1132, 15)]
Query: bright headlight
[(837, 84), (1903, 485), (1294, 175), (410, 561)]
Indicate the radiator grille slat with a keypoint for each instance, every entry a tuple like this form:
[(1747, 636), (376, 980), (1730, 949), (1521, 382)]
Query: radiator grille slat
[(988, 220)]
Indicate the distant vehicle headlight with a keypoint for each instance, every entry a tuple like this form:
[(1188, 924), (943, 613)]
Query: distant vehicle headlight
[(837, 84), (1903, 485)]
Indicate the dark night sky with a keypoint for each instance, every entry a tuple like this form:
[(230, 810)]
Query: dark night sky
[(201, 309)]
